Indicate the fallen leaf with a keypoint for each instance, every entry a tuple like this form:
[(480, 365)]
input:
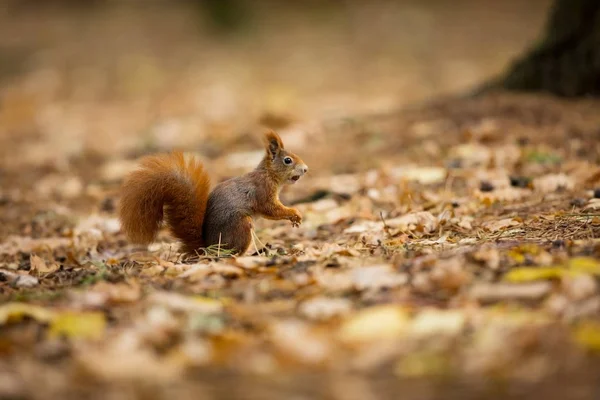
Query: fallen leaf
[(115, 170), (103, 292), (575, 266), (375, 323), (377, 277), (499, 225), (587, 335), (19, 279), (187, 303), (420, 364), (40, 266), (13, 312), (423, 175), (365, 226), (491, 292), (490, 256), (450, 274), (324, 308), (251, 262), (341, 184), (117, 364), (586, 265), (78, 325), (552, 183), (296, 339), (97, 224), (471, 154), (422, 220), (438, 323), (15, 244), (579, 287)]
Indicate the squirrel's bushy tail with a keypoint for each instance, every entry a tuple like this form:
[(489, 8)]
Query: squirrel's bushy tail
[(165, 185)]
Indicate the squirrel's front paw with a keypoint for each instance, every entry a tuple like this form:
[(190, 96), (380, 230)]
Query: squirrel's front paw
[(296, 218)]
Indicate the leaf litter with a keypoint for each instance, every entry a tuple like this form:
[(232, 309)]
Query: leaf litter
[(480, 263)]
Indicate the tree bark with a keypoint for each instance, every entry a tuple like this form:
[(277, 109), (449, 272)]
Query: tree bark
[(567, 60)]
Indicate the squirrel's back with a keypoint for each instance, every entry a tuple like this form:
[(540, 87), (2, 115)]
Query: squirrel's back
[(165, 185)]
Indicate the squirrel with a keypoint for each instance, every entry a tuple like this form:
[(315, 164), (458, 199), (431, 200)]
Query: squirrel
[(169, 187)]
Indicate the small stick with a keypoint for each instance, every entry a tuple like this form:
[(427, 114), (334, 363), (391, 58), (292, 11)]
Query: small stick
[(219, 247), (258, 239), (254, 242), (385, 227)]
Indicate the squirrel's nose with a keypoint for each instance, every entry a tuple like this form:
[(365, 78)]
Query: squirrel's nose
[(304, 169)]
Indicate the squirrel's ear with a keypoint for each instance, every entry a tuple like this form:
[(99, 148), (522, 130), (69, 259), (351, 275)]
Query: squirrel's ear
[(273, 143)]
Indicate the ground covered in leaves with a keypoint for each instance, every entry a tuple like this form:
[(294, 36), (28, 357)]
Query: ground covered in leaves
[(448, 250), (469, 255)]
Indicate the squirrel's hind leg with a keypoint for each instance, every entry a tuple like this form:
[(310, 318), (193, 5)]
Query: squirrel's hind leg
[(239, 237)]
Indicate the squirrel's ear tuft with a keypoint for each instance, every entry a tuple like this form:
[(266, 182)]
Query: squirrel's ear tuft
[(273, 143)]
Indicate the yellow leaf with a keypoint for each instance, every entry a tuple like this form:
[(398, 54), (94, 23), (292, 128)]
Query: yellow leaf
[(586, 265), (85, 325), (13, 312), (379, 322), (519, 258), (588, 335), (422, 364), (575, 266), (210, 303), (527, 274)]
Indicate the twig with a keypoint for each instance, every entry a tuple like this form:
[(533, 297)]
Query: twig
[(385, 227), (219, 247), (255, 237), (254, 242)]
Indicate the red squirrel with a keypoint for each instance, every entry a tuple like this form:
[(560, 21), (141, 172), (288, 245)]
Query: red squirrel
[(169, 187)]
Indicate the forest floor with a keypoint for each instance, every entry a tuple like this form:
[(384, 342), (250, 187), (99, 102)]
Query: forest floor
[(448, 250), (469, 259)]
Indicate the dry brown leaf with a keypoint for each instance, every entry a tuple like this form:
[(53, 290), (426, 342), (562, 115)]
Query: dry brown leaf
[(579, 287), (509, 194), (450, 274), (323, 308), (186, 303), (501, 224), (342, 184), (105, 292), (488, 255), (377, 277), (375, 323), (333, 280), (365, 226), (487, 292), (438, 323), (122, 364), (115, 170), (420, 174), (552, 183), (41, 267), (251, 262), (471, 154), (296, 339), (422, 220), (15, 244)]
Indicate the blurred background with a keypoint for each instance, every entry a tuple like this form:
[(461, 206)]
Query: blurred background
[(119, 78)]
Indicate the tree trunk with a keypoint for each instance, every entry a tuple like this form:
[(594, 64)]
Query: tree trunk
[(567, 60)]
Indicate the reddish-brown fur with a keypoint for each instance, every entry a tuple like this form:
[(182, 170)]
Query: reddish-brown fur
[(199, 219)]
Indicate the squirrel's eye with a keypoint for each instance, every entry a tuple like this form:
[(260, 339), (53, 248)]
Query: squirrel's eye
[(287, 160)]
